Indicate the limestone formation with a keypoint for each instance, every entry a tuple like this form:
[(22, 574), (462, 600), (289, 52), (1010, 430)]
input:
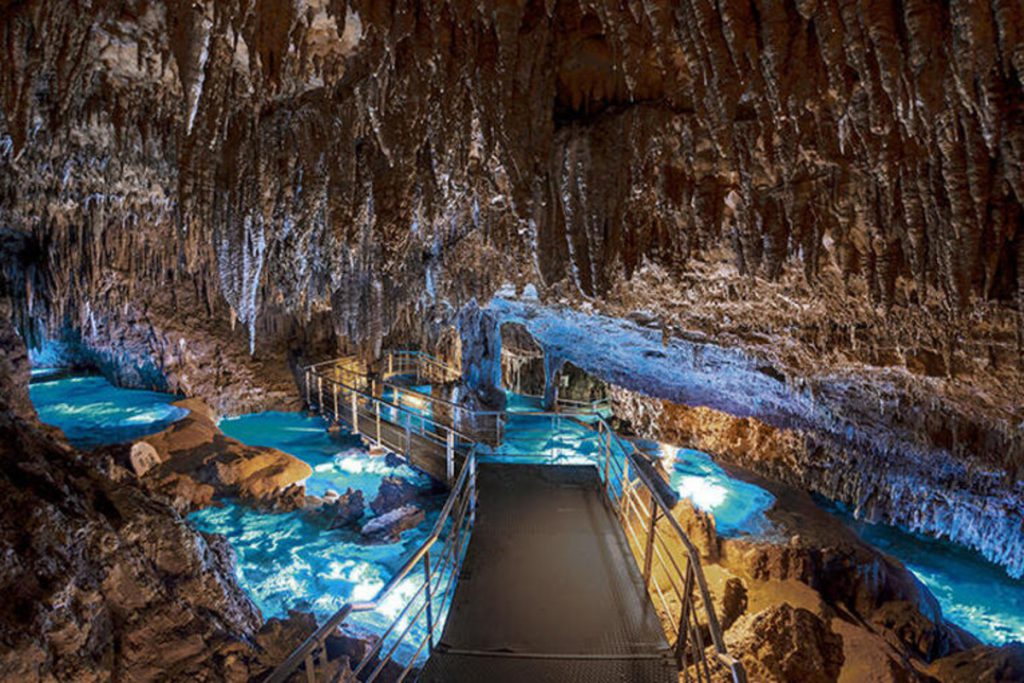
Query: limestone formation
[(783, 644)]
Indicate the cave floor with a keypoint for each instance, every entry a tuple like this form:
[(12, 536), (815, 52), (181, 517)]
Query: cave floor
[(548, 590)]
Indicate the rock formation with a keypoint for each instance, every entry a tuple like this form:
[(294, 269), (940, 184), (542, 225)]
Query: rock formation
[(813, 209), (192, 462)]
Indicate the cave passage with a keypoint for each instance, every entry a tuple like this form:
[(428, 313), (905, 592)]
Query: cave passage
[(974, 593)]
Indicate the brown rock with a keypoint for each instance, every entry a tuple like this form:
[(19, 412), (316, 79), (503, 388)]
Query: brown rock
[(782, 644), (699, 527), (143, 457), (983, 663)]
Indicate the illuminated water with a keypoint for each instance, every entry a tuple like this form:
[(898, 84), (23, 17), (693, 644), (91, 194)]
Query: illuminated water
[(339, 461), (974, 593), (737, 506), (92, 412), (292, 561)]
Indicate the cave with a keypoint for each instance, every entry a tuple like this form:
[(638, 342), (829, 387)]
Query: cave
[(461, 340)]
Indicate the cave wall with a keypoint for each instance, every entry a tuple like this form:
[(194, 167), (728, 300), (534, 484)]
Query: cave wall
[(374, 157), (827, 194)]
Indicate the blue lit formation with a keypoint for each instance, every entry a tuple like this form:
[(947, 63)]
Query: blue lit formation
[(293, 561)]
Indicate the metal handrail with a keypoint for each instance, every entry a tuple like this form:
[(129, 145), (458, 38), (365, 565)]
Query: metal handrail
[(622, 490), (397, 361), (304, 654), (694, 573)]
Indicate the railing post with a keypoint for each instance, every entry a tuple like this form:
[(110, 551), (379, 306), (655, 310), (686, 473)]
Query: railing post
[(430, 601), (649, 552), (355, 413), (310, 671), (335, 388), (449, 456), (684, 616), (376, 408), (602, 429), (309, 388), (320, 394), (626, 488), (391, 364)]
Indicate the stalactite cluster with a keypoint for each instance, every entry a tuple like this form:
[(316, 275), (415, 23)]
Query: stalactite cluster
[(300, 152), (821, 184)]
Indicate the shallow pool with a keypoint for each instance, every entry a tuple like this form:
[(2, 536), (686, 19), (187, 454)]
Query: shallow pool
[(92, 412), (974, 593), (737, 506), (293, 561)]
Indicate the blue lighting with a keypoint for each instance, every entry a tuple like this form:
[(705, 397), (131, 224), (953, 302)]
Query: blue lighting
[(92, 412)]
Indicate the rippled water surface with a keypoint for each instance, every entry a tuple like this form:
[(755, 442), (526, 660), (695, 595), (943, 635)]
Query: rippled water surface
[(92, 412), (974, 593), (292, 560)]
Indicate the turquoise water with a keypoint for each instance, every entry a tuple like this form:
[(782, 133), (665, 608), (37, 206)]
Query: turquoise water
[(92, 412), (339, 461), (737, 506), (546, 439), (289, 561), (974, 593)]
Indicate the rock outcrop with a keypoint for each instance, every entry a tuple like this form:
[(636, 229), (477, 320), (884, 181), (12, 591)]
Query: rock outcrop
[(783, 644), (101, 581), (388, 527), (345, 510), (393, 492), (192, 462)]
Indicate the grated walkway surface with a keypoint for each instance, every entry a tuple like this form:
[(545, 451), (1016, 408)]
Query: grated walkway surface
[(549, 590)]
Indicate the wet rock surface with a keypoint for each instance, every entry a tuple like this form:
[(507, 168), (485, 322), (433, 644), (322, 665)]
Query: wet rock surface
[(104, 579), (388, 527), (198, 462), (393, 492), (345, 510)]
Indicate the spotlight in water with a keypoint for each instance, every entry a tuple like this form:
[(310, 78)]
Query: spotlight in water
[(705, 494)]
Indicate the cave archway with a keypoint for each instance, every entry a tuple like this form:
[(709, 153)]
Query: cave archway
[(577, 388), (522, 361)]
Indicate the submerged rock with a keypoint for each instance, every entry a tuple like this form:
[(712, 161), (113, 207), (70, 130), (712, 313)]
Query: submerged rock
[(390, 525), (394, 492), (345, 510)]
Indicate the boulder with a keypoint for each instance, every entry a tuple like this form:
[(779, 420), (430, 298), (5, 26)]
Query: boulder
[(142, 457), (394, 492), (352, 644), (782, 644), (390, 525), (345, 510)]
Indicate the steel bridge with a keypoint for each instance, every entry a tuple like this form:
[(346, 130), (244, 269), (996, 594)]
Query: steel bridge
[(532, 572)]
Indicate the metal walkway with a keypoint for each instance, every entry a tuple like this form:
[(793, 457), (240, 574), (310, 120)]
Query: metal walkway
[(548, 589), (531, 572)]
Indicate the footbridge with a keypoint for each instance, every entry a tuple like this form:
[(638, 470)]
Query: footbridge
[(533, 571)]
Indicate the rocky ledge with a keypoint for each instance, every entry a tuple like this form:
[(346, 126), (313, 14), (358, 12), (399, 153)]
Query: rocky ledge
[(810, 602), (192, 463)]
